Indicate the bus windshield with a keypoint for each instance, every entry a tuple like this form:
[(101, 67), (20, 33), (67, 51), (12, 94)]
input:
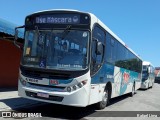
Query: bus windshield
[(56, 49), (145, 73)]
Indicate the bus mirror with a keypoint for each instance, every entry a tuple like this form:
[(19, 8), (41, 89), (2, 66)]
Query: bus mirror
[(15, 38), (99, 48), (16, 34)]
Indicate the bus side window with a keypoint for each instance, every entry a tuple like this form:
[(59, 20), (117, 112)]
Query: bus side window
[(111, 49)]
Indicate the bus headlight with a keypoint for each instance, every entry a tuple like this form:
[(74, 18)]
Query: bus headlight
[(76, 86), (69, 89), (80, 85)]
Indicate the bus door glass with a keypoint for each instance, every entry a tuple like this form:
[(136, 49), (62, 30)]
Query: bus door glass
[(97, 59)]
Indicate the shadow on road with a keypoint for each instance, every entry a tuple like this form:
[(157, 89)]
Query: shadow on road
[(66, 112), (8, 89), (17, 103), (119, 98), (60, 111)]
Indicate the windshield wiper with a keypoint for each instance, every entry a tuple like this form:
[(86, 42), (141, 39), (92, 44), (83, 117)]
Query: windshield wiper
[(37, 30), (41, 43), (66, 31)]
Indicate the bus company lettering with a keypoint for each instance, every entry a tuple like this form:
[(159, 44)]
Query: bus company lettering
[(126, 77), (58, 20), (32, 80), (110, 76)]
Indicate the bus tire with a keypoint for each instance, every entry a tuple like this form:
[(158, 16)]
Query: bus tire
[(152, 85), (105, 100), (148, 86), (133, 90)]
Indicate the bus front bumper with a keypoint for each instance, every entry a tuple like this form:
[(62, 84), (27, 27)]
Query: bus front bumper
[(77, 98), (144, 85)]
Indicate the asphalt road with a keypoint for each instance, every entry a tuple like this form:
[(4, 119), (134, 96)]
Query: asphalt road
[(143, 100)]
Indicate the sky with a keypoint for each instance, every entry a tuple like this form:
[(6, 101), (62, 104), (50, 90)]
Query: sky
[(136, 22)]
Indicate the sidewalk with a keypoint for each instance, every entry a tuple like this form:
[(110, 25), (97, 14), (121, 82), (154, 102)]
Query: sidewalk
[(9, 100)]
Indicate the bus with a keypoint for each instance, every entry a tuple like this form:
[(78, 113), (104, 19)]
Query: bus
[(72, 58), (148, 75)]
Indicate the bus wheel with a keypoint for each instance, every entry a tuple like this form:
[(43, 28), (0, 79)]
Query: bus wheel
[(152, 85), (148, 86), (133, 90), (105, 100)]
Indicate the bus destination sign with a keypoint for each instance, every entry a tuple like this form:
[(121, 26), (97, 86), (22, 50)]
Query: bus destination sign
[(58, 19)]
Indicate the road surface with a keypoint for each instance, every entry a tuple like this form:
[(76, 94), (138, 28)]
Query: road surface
[(143, 104)]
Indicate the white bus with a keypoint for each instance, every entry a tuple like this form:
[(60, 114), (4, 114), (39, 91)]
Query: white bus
[(72, 58), (148, 75)]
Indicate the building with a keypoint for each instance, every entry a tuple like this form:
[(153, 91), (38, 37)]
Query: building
[(10, 55)]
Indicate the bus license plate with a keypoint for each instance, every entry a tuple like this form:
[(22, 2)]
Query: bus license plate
[(44, 95)]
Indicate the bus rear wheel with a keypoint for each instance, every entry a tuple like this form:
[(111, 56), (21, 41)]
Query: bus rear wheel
[(152, 85), (148, 86), (133, 90), (105, 100)]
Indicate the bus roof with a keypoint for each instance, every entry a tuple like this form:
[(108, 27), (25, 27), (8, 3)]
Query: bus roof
[(98, 21), (147, 63), (69, 10)]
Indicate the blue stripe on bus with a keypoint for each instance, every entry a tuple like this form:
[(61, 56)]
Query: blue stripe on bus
[(104, 75)]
